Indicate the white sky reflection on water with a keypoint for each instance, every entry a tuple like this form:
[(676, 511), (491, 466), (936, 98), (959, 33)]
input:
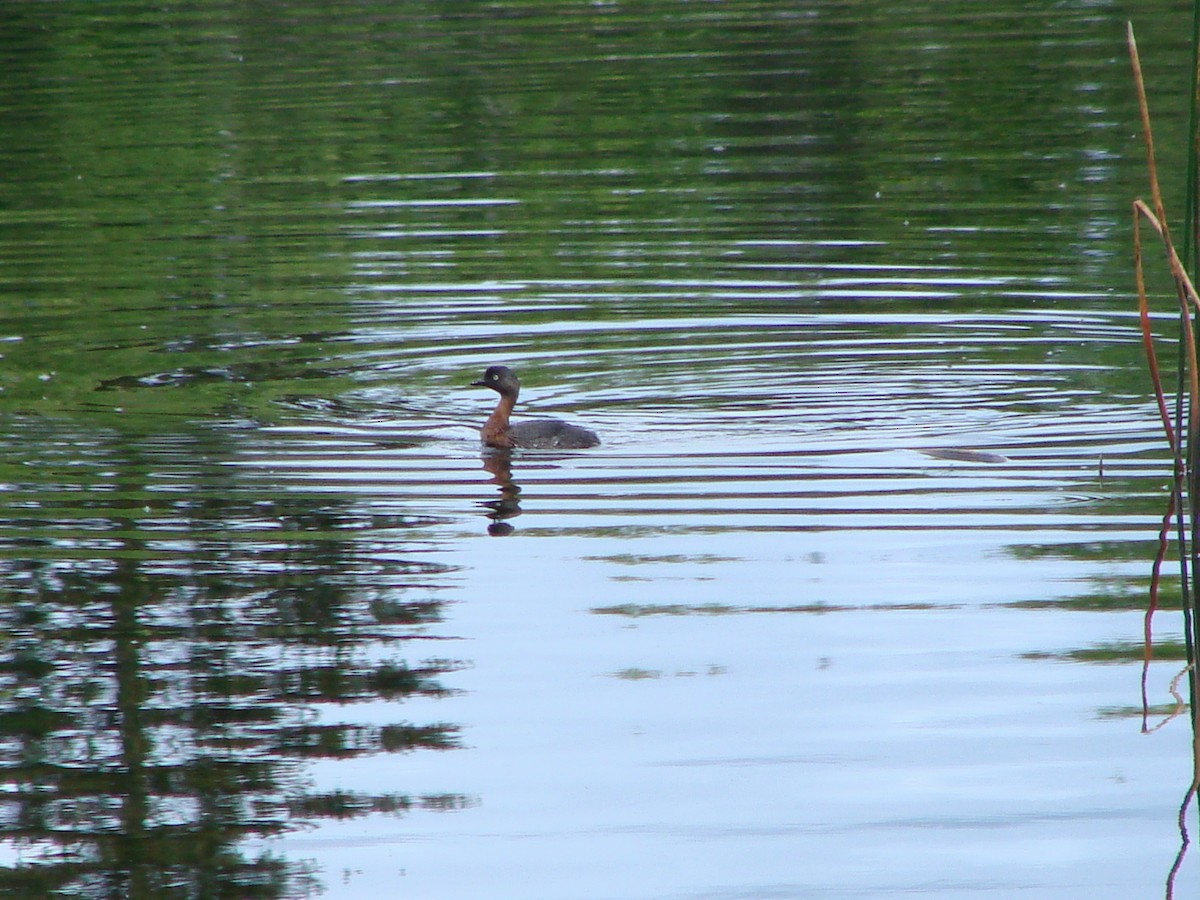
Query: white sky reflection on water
[(705, 662)]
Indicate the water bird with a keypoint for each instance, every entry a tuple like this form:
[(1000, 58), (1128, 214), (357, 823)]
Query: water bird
[(535, 434)]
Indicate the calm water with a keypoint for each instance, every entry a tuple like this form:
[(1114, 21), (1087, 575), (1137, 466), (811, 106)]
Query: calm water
[(275, 627)]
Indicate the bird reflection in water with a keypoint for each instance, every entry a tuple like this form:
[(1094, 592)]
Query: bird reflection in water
[(498, 463)]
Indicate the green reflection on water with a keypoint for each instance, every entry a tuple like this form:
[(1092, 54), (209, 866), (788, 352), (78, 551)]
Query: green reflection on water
[(198, 199)]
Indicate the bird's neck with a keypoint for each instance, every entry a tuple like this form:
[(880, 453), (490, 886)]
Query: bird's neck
[(495, 429)]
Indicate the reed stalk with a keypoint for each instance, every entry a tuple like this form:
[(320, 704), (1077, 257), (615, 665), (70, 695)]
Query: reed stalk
[(1180, 419)]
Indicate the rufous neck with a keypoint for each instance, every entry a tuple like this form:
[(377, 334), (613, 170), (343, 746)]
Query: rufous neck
[(495, 429)]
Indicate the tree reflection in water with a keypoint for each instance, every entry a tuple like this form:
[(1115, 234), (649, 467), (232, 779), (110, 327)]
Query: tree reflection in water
[(160, 682)]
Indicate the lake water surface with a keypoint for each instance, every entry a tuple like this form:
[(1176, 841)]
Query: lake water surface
[(848, 603)]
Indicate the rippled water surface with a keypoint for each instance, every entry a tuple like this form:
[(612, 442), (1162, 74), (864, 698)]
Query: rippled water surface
[(848, 603)]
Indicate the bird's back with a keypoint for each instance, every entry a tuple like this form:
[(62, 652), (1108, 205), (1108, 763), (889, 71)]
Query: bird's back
[(551, 434)]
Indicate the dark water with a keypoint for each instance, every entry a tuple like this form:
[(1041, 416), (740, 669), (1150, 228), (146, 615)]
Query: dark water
[(849, 602)]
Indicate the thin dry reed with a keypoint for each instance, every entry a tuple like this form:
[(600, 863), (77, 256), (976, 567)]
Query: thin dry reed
[(1181, 424)]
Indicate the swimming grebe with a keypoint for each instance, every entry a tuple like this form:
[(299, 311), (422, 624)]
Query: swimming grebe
[(536, 434)]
